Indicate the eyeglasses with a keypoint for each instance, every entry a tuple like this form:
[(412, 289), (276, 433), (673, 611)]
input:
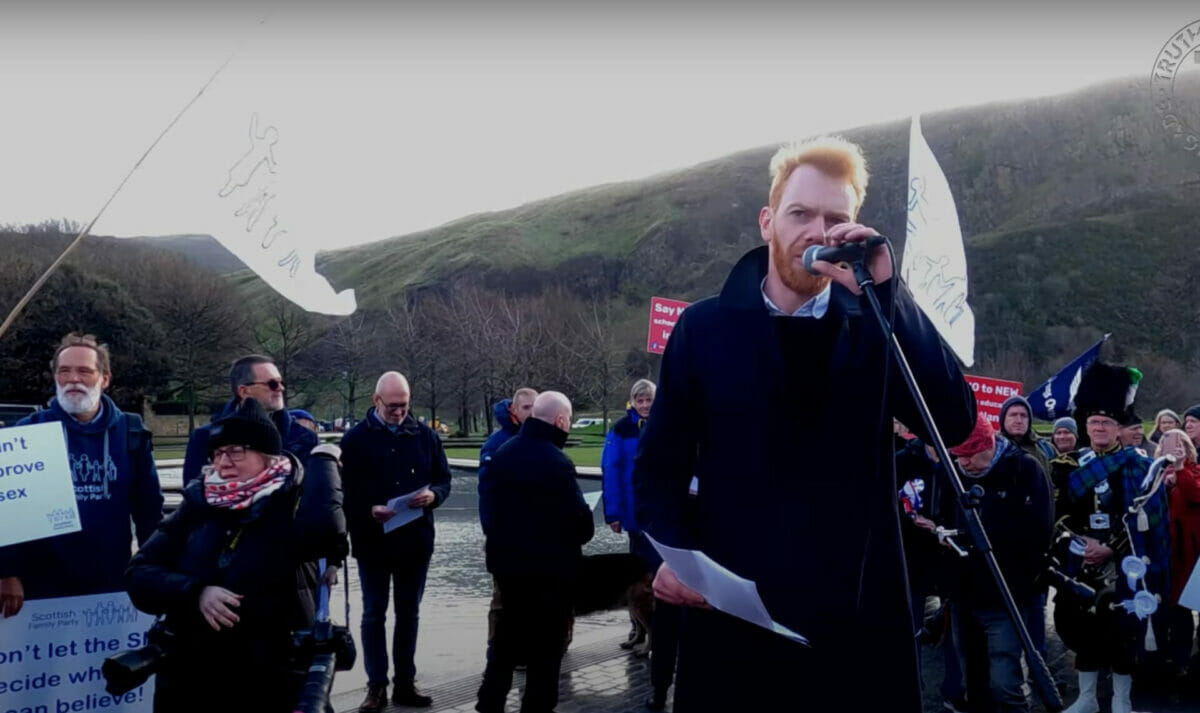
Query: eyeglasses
[(272, 384), (237, 454), (395, 407)]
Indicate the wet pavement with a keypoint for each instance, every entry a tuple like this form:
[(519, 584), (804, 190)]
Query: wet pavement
[(453, 629)]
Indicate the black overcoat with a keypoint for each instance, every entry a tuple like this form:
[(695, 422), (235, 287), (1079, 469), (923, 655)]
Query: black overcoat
[(815, 526), (259, 553)]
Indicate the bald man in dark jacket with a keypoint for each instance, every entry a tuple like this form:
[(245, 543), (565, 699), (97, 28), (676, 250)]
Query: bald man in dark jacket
[(537, 525)]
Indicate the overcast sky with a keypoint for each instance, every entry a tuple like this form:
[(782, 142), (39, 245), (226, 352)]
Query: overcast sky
[(394, 117)]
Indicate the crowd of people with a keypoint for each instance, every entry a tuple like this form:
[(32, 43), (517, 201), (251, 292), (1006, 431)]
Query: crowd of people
[(1077, 501), (805, 506), (234, 572)]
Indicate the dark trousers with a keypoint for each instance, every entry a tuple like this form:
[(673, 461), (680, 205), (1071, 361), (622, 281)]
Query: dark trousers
[(665, 625), (1106, 639), (726, 664), (954, 682), (406, 579), (1180, 630), (531, 626), (991, 654), (1035, 622)]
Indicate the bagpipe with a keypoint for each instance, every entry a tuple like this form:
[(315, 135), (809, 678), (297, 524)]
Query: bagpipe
[(1093, 592)]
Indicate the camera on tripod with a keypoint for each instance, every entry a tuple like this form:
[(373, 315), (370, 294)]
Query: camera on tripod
[(127, 670), (321, 651), (325, 639)]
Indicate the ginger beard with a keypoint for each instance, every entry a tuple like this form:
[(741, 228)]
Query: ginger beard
[(796, 279)]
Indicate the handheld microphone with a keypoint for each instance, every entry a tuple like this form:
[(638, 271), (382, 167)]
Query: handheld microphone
[(848, 252)]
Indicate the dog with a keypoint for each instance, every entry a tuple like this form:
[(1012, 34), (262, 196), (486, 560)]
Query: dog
[(615, 581)]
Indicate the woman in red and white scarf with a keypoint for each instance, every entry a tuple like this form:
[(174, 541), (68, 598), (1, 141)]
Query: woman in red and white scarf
[(230, 568)]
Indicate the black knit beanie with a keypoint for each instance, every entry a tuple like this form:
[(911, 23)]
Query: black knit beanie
[(249, 426)]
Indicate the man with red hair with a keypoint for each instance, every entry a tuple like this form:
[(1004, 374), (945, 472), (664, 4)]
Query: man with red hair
[(805, 506)]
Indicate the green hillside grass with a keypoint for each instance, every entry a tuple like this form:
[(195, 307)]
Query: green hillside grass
[(1077, 212)]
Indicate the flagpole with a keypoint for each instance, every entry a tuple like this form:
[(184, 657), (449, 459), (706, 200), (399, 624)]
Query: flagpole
[(16, 311)]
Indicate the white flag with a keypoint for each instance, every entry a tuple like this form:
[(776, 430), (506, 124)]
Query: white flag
[(240, 166), (934, 266)]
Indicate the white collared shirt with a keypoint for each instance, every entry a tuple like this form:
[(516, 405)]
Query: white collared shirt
[(814, 307)]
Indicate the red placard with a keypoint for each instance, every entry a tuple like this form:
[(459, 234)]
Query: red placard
[(664, 313), (991, 393)]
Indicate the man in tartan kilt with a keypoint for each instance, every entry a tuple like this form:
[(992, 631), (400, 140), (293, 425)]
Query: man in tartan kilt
[(1099, 493)]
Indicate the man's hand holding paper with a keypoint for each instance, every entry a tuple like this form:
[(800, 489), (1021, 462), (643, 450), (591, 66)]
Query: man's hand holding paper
[(695, 579), (668, 588), (407, 508)]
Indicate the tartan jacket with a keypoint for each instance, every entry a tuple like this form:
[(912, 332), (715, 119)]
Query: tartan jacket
[(1130, 465)]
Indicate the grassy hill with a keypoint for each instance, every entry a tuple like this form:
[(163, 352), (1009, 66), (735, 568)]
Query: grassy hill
[(1076, 209), (203, 250)]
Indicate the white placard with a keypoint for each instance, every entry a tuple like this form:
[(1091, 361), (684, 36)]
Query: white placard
[(53, 649), (37, 495), (1190, 596)]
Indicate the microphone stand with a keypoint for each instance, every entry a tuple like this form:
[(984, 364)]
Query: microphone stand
[(968, 501)]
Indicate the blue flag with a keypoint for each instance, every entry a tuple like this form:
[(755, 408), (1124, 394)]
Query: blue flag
[(1056, 397)]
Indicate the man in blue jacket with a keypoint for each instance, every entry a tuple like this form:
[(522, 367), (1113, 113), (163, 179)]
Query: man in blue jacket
[(115, 483), (252, 377), (510, 414), (388, 454)]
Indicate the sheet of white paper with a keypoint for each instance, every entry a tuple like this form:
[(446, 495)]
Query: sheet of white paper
[(1190, 596), (593, 498), (404, 514), (724, 590)]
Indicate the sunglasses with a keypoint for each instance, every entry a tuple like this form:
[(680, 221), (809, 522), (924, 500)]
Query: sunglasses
[(272, 384)]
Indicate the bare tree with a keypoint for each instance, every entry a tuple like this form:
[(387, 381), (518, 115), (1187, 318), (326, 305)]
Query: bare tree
[(346, 352), (284, 333), (595, 354), (204, 323), (458, 325), (408, 343)]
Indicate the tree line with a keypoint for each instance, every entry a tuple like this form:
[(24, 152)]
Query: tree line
[(174, 327)]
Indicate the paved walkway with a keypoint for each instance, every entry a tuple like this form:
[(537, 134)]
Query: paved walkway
[(597, 677)]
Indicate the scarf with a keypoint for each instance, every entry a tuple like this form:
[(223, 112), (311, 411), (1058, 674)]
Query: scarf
[(239, 495)]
